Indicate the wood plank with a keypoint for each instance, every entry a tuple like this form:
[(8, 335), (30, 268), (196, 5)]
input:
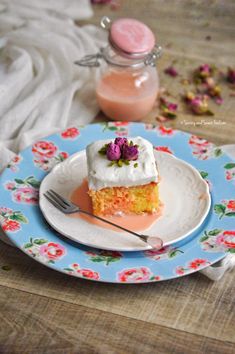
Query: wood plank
[(34, 324), (193, 304)]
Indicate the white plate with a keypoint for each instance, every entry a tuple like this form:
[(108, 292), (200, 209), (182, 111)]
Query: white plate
[(184, 193)]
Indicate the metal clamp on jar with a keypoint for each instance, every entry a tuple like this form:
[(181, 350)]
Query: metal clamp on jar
[(128, 85)]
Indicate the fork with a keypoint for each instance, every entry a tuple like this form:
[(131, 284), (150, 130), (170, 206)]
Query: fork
[(67, 207)]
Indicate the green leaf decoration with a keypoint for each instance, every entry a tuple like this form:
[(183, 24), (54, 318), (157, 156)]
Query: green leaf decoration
[(39, 241), (218, 152), (204, 238), (51, 261), (69, 269), (219, 208), (229, 166), (204, 174), (231, 250), (111, 259), (19, 181), (230, 214), (174, 253), (28, 245), (97, 259), (18, 216), (33, 182), (214, 232), (112, 128)]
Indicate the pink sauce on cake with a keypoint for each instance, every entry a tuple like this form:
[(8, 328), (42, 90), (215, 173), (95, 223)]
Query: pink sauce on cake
[(133, 222)]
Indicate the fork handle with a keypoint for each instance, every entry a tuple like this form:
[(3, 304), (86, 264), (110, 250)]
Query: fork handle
[(154, 241), (111, 223)]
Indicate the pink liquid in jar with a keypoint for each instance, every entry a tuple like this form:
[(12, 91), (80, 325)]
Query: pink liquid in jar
[(128, 94)]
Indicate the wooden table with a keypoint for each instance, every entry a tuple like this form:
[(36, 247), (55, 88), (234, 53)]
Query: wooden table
[(43, 311)]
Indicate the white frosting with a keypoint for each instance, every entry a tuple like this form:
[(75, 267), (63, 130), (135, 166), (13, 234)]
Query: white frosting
[(101, 175)]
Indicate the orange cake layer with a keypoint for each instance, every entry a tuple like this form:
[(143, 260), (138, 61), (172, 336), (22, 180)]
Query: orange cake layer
[(137, 199)]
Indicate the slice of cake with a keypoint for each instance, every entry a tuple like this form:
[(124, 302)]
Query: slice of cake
[(122, 176)]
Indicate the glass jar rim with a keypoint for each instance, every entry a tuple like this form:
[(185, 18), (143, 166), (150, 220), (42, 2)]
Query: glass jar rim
[(109, 52)]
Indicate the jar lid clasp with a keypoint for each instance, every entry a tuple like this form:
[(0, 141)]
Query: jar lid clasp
[(91, 60)]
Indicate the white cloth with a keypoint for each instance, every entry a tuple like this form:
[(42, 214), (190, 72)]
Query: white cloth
[(41, 90)]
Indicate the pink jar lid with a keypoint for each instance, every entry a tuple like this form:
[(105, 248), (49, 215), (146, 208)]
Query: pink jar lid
[(131, 37)]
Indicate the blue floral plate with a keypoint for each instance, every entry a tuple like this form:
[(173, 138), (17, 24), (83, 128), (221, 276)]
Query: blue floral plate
[(21, 218)]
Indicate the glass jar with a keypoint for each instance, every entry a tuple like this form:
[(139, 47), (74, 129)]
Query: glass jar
[(128, 83)]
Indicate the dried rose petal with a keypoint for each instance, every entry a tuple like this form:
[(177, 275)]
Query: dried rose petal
[(130, 152), (113, 152), (161, 119), (198, 103), (203, 72), (171, 71), (219, 100), (231, 75), (168, 109)]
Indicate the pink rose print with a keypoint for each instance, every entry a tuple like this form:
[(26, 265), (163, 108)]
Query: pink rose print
[(120, 124), (52, 251), (47, 155), (10, 186), (195, 264), (44, 251), (88, 273), (14, 162), (11, 220), (4, 211), (231, 205), (104, 256), (161, 129), (70, 133), (136, 275), (218, 241), (226, 239), (203, 149), (230, 171), (119, 128), (10, 225), (165, 131), (24, 190), (63, 155), (164, 253), (180, 270), (76, 270), (225, 208), (44, 149), (164, 149), (26, 195)]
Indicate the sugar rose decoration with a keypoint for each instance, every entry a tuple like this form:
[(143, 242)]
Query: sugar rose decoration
[(120, 152)]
